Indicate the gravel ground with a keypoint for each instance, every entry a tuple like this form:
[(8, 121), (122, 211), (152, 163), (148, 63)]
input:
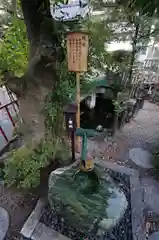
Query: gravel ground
[(19, 207)]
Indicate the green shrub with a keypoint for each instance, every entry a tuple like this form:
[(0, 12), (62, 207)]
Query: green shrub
[(22, 169), (14, 48)]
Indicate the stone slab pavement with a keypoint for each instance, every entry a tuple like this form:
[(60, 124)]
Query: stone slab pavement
[(143, 132), (151, 193)]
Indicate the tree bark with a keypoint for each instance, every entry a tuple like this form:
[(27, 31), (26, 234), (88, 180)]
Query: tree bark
[(44, 43), (44, 56), (31, 110), (14, 7)]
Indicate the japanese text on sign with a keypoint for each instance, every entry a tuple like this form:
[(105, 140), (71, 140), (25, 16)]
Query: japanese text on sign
[(77, 49)]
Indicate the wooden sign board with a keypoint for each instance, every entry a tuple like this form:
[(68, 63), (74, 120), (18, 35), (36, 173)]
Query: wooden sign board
[(77, 51)]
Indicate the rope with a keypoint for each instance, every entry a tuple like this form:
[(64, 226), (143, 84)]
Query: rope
[(12, 100)]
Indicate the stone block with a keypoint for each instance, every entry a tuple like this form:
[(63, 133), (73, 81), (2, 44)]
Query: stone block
[(4, 223), (42, 232), (137, 209), (33, 219)]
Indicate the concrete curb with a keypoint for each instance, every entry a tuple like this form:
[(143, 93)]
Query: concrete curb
[(118, 168), (137, 201), (33, 219), (33, 229), (137, 209)]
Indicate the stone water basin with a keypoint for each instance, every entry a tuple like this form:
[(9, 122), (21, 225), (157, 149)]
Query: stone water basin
[(92, 207)]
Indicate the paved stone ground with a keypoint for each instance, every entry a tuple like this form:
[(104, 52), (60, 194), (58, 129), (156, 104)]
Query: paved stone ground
[(143, 132)]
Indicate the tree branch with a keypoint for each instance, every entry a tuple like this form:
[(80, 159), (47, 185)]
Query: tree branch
[(10, 12), (100, 4), (149, 34), (14, 7)]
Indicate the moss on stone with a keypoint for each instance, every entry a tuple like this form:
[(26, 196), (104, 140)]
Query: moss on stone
[(82, 196)]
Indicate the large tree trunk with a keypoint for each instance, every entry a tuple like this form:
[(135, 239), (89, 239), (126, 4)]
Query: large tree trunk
[(44, 56), (44, 44), (31, 106), (31, 109)]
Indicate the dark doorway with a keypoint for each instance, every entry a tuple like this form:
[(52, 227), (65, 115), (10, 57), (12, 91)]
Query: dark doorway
[(102, 114)]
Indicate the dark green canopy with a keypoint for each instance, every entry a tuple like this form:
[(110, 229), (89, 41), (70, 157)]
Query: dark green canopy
[(107, 81), (95, 83), (91, 86)]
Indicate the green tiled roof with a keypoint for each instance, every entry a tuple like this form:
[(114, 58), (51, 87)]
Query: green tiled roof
[(96, 83), (91, 86)]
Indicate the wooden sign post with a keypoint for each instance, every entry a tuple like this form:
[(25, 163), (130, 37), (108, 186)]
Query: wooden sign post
[(77, 54)]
